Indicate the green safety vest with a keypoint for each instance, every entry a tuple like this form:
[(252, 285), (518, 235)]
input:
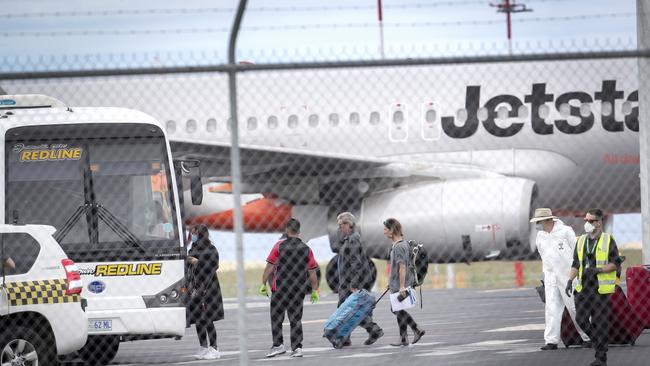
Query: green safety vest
[(606, 281)]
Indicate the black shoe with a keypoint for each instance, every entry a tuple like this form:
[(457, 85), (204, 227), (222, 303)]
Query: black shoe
[(418, 334), (402, 343), (587, 344), (549, 347), (373, 337), (346, 343)]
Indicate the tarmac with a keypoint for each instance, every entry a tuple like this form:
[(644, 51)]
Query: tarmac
[(463, 327)]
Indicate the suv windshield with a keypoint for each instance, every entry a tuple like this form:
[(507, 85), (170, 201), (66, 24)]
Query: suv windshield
[(106, 188)]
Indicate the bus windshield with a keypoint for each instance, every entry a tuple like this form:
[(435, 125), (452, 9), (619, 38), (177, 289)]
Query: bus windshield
[(106, 188)]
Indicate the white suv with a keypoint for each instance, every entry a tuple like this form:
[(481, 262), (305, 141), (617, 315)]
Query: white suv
[(41, 312)]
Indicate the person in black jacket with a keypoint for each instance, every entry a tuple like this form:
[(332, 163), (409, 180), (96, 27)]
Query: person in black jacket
[(353, 271), (206, 304)]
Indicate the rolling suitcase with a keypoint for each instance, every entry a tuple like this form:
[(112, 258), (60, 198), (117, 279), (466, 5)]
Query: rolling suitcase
[(624, 325), (638, 292), (354, 309), (568, 331)]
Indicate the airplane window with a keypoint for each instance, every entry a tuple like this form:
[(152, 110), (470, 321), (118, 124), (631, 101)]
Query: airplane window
[(292, 122), (585, 109), (272, 122), (565, 108), (251, 123), (334, 119), (502, 112), (313, 120), (229, 124), (430, 116), (606, 108), (190, 126), (461, 115), (627, 107), (482, 114), (211, 125), (171, 126), (375, 118), (544, 111), (398, 117), (522, 112), (354, 118)]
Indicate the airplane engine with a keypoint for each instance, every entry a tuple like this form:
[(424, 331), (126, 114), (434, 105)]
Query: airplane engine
[(456, 220)]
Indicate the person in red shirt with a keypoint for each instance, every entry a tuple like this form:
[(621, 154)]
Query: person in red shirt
[(293, 262)]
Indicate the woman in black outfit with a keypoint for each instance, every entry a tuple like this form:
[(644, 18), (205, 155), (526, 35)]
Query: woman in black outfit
[(206, 304)]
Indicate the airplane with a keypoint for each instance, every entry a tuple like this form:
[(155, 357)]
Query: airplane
[(460, 154)]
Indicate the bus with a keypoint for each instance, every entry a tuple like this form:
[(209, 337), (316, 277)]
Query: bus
[(105, 179)]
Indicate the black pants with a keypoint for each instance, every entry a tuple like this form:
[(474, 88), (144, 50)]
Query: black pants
[(405, 320), (291, 303), (594, 305), (203, 326), (371, 327)]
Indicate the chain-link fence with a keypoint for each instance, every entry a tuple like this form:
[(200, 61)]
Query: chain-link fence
[(415, 176)]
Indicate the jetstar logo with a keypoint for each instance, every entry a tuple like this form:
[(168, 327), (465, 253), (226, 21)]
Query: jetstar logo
[(537, 99)]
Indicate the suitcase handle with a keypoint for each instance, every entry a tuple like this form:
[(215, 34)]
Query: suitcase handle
[(380, 297)]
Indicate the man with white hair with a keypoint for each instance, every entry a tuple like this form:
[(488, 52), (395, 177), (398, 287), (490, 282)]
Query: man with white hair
[(555, 243), (353, 270)]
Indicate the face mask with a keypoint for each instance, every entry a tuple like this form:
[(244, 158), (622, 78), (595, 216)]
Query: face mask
[(194, 238), (539, 226), (589, 228)]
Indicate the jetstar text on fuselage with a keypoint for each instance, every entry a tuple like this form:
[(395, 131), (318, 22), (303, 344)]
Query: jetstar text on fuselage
[(538, 98)]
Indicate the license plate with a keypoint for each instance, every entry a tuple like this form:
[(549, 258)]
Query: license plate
[(100, 325)]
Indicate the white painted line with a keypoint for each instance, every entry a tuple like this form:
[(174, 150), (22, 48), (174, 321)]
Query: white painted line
[(517, 328), (496, 343), (412, 345), (367, 355), (266, 304)]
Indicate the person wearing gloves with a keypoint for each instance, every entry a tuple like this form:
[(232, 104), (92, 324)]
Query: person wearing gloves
[(555, 244), (293, 262), (353, 269), (595, 260)]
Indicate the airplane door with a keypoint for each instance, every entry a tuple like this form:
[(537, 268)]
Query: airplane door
[(430, 125), (398, 124)]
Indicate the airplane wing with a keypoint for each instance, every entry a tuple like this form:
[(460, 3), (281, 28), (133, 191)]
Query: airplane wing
[(311, 177)]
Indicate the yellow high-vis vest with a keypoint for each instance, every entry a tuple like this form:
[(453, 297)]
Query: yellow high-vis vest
[(606, 281)]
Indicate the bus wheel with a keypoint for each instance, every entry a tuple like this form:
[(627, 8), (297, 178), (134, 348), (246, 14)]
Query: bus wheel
[(100, 350), (21, 345)]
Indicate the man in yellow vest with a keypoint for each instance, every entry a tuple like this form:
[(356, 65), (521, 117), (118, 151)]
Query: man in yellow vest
[(594, 263)]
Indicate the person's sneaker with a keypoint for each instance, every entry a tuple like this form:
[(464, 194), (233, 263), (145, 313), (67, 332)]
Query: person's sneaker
[(274, 351), (587, 344), (374, 336), (401, 343), (549, 347), (212, 354), (296, 352), (418, 334), (199, 355)]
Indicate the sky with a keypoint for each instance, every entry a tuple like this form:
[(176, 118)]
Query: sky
[(42, 35), (38, 34)]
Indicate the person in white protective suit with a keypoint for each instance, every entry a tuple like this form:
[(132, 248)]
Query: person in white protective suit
[(555, 243)]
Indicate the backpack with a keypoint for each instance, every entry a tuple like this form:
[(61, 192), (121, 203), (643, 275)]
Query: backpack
[(418, 264)]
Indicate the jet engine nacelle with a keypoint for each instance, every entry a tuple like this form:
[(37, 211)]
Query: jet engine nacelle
[(456, 220)]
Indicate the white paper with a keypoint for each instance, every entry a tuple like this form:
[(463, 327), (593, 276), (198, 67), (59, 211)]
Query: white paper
[(407, 303)]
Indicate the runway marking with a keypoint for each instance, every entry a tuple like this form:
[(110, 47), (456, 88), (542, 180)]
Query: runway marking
[(266, 304), (367, 355), (493, 345), (316, 321), (496, 342), (283, 358), (517, 328), (413, 345)]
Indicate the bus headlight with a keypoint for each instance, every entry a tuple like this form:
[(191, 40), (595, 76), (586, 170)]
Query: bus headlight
[(174, 294), (163, 299)]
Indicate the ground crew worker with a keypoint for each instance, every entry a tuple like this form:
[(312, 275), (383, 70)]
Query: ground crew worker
[(555, 244), (293, 262), (353, 269), (594, 263)]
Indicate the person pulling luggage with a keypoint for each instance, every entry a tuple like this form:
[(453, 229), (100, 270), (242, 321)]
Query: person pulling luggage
[(555, 244), (293, 262), (400, 275), (595, 260), (353, 269)]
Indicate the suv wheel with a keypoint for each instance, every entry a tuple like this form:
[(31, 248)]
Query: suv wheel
[(100, 350), (22, 346)]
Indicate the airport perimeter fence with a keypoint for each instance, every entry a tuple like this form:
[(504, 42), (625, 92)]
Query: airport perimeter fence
[(459, 151)]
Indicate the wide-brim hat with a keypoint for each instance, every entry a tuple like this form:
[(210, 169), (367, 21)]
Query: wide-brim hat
[(542, 214)]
